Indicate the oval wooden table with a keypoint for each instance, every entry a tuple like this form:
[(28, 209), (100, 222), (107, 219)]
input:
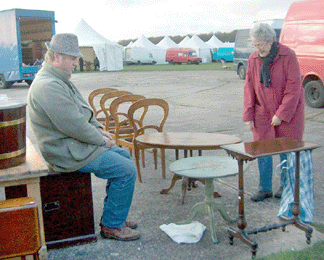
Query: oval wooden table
[(185, 141)]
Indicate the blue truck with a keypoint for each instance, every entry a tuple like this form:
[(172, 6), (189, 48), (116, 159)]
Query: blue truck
[(23, 34)]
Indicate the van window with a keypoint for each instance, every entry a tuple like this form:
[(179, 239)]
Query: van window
[(192, 54), (180, 54)]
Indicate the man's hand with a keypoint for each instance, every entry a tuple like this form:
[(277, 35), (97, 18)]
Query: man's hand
[(249, 125), (276, 121), (109, 143), (104, 133)]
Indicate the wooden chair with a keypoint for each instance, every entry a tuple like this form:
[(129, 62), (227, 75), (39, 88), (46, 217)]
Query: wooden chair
[(109, 123), (124, 132), (147, 107), (96, 96)]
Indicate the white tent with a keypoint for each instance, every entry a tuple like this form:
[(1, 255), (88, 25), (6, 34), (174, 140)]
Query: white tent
[(184, 40), (167, 42), (157, 52), (214, 42), (228, 44), (203, 49), (110, 54)]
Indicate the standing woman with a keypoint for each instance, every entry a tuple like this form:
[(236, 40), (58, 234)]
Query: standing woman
[(273, 99)]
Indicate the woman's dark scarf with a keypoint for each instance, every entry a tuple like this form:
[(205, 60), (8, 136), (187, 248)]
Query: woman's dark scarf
[(265, 76)]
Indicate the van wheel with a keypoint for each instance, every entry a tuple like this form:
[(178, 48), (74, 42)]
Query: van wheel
[(314, 94), (29, 81), (189, 62), (171, 62), (4, 83), (242, 72)]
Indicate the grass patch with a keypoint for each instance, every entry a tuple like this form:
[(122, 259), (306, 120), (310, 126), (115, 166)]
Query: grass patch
[(168, 67), (178, 67), (314, 252)]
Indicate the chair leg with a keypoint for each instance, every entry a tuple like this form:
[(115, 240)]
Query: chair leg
[(143, 157), (136, 152), (155, 157), (163, 163)]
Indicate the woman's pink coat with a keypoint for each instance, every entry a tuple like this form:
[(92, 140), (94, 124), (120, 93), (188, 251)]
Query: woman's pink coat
[(284, 98)]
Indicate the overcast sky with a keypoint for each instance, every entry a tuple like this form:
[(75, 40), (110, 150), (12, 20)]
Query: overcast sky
[(129, 19)]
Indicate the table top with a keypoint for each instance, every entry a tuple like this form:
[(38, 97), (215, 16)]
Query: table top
[(257, 149), (187, 140), (33, 167), (205, 167)]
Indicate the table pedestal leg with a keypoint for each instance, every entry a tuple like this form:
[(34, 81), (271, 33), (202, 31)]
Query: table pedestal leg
[(211, 205), (174, 179), (241, 222)]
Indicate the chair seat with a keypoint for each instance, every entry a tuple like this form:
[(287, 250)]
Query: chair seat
[(205, 167), (123, 131)]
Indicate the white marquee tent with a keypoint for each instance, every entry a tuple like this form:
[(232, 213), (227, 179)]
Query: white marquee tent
[(110, 54), (167, 42), (157, 52), (214, 42), (203, 49), (184, 40)]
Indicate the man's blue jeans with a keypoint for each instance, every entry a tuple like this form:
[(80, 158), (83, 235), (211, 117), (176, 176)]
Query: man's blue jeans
[(265, 170), (116, 166)]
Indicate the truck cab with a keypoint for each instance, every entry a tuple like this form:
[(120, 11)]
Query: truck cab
[(22, 43)]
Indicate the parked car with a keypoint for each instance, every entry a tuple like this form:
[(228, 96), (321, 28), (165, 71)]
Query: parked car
[(303, 31), (243, 46), (182, 55)]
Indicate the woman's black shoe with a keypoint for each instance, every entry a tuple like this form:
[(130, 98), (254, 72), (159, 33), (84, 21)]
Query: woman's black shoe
[(261, 195)]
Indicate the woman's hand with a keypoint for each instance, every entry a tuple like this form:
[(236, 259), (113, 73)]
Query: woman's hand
[(276, 121), (249, 125)]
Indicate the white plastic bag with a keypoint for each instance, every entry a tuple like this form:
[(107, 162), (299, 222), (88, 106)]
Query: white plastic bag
[(184, 233)]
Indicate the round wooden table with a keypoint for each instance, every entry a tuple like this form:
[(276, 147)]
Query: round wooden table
[(207, 168), (185, 141)]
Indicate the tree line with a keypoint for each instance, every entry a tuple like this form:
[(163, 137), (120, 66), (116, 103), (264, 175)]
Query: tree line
[(223, 36)]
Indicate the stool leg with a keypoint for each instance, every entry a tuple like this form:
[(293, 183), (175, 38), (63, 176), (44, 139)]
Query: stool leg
[(210, 201), (212, 224), (193, 212)]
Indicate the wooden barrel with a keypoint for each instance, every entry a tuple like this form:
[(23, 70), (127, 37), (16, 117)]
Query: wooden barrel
[(12, 133)]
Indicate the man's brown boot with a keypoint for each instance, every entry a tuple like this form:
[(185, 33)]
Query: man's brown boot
[(123, 233)]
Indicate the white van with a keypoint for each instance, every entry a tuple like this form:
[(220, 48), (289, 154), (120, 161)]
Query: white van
[(138, 55)]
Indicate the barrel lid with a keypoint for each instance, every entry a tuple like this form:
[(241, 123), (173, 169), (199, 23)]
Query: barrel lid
[(11, 103)]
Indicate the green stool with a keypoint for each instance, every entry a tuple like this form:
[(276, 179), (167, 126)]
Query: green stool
[(207, 168)]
